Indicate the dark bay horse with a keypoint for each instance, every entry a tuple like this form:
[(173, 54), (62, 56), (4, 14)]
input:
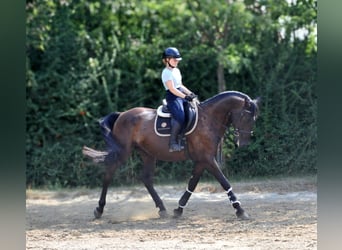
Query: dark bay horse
[(134, 129)]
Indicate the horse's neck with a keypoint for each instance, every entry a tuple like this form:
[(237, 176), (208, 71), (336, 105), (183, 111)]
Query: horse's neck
[(222, 107), (218, 111), (213, 116)]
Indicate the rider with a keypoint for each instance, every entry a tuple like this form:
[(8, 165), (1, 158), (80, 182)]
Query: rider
[(176, 94)]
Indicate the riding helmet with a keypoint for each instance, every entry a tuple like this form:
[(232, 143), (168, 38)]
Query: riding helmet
[(172, 52)]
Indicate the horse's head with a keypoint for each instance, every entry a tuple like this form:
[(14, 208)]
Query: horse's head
[(243, 121)]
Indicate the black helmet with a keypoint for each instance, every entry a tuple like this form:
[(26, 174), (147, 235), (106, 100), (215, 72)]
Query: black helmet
[(172, 52)]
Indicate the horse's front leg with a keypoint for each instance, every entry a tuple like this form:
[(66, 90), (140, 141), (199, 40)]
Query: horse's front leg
[(196, 175), (216, 171)]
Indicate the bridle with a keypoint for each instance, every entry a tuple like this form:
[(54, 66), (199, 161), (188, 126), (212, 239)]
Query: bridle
[(238, 131)]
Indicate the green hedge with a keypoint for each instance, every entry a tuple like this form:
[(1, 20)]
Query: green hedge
[(88, 58)]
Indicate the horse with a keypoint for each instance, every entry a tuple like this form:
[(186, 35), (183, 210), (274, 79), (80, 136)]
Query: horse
[(134, 129)]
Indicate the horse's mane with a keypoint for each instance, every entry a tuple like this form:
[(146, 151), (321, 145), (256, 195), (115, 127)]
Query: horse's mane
[(223, 95), (232, 93)]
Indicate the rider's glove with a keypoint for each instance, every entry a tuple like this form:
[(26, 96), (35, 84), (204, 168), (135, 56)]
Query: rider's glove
[(193, 95), (189, 97)]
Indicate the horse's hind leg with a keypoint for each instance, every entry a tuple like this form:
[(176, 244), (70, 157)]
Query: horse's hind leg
[(147, 179), (106, 181), (112, 161)]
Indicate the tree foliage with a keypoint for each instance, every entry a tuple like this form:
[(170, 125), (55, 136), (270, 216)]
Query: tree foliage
[(86, 58)]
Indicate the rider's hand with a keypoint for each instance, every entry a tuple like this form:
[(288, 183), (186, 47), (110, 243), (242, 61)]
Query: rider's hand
[(189, 97), (193, 95)]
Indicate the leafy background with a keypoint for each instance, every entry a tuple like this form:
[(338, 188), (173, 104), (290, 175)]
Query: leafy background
[(87, 58)]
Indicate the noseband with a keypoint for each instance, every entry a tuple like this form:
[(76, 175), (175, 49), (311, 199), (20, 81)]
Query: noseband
[(238, 131)]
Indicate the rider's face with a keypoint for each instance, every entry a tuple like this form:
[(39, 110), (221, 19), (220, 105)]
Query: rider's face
[(173, 61)]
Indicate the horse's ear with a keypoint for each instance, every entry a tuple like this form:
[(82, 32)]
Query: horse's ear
[(258, 101)]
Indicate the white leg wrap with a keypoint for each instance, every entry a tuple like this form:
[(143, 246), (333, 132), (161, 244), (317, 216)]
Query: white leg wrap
[(233, 202), (230, 189), (182, 206), (189, 191)]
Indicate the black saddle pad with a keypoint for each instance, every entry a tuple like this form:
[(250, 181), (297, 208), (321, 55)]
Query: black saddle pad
[(162, 125)]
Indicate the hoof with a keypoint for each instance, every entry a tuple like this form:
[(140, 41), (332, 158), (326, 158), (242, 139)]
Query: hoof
[(242, 215), (97, 214), (177, 212), (163, 214)]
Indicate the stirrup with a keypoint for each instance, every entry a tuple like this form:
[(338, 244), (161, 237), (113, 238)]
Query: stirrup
[(175, 147)]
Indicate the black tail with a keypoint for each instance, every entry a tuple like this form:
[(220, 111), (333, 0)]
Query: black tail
[(113, 148)]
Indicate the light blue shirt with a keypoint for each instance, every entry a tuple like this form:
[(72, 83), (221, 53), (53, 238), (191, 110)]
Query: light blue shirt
[(172, 74)]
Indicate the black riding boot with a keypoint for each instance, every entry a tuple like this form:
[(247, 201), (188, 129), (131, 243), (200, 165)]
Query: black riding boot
[(175, 130)]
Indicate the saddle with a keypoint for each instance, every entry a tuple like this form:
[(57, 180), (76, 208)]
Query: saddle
[(162, 124)]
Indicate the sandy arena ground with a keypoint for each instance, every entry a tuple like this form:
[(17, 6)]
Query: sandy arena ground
[(283, 216)]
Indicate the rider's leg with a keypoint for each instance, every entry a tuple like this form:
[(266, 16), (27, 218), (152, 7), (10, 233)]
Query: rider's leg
[(177, 111)]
